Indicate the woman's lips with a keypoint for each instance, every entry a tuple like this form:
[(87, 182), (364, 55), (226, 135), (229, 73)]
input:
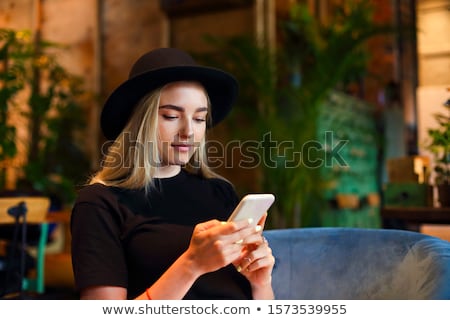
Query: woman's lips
[(182, 147)]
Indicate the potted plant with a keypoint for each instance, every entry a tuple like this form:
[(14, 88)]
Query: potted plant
[(14, 52), (439, 146), (281, 92), (52, 112)]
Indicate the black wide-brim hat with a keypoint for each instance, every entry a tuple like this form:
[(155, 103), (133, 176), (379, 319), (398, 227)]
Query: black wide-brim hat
[(157, 68)]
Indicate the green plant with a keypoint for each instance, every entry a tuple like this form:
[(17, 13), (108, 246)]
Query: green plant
[(53, 112), (15, 50), (439, 145), (281, 93), (258, 118)]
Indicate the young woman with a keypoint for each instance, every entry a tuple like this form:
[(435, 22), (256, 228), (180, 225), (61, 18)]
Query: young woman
[(151, 223)]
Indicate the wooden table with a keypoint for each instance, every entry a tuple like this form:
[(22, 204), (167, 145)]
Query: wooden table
[(413, 217)]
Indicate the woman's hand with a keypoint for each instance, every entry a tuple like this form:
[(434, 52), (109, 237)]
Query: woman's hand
[(256, 264), (215, 244)]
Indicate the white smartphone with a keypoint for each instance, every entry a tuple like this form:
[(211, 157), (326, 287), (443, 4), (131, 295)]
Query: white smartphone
[(252, 206)]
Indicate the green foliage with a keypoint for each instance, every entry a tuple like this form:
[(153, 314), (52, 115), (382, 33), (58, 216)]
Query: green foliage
[(281, 93), (54, 162), (268, 113), (14, 52), (323, 56), (439, 145)]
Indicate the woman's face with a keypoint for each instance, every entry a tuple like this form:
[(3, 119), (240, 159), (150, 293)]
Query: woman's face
[(183, 108)]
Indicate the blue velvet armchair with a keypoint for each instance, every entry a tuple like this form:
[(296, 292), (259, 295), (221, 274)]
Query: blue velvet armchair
[(352, 263)]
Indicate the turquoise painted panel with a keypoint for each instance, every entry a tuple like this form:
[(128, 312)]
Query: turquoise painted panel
[(351, 124)]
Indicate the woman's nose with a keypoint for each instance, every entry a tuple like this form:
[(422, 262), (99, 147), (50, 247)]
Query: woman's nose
[(186, 130)]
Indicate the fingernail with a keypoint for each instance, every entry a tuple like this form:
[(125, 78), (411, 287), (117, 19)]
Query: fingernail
[(250, 220), (223, 222), (239, 241), (258, 228)]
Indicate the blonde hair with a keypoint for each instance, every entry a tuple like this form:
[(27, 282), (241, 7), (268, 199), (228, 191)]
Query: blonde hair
[(132, 159)]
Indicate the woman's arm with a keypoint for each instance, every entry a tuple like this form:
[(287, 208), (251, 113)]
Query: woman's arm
[(213, 245), (103, 293), (173, 284)]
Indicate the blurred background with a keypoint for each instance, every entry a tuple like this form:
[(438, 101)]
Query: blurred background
[(343, 110)]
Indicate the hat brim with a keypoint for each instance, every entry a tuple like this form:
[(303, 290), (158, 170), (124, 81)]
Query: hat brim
[(222, 89)]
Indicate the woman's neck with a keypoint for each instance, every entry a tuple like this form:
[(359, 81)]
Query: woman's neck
[(167, 171)]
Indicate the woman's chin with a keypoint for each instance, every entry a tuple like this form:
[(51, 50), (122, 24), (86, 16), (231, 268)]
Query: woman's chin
[(177, 162)]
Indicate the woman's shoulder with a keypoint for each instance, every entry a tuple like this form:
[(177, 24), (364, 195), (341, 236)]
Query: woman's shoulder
[(93, 191), (98, 194)]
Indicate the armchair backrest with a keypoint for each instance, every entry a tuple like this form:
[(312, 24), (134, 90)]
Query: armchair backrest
[(352, 263)]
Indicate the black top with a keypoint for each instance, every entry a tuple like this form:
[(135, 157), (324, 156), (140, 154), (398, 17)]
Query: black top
[(125, 238)]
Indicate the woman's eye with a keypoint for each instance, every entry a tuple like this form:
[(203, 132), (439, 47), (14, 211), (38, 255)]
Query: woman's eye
[(200, 119), (169, 117)]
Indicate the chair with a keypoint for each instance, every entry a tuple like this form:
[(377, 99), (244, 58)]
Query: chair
[(36, 209), (351, 263)]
